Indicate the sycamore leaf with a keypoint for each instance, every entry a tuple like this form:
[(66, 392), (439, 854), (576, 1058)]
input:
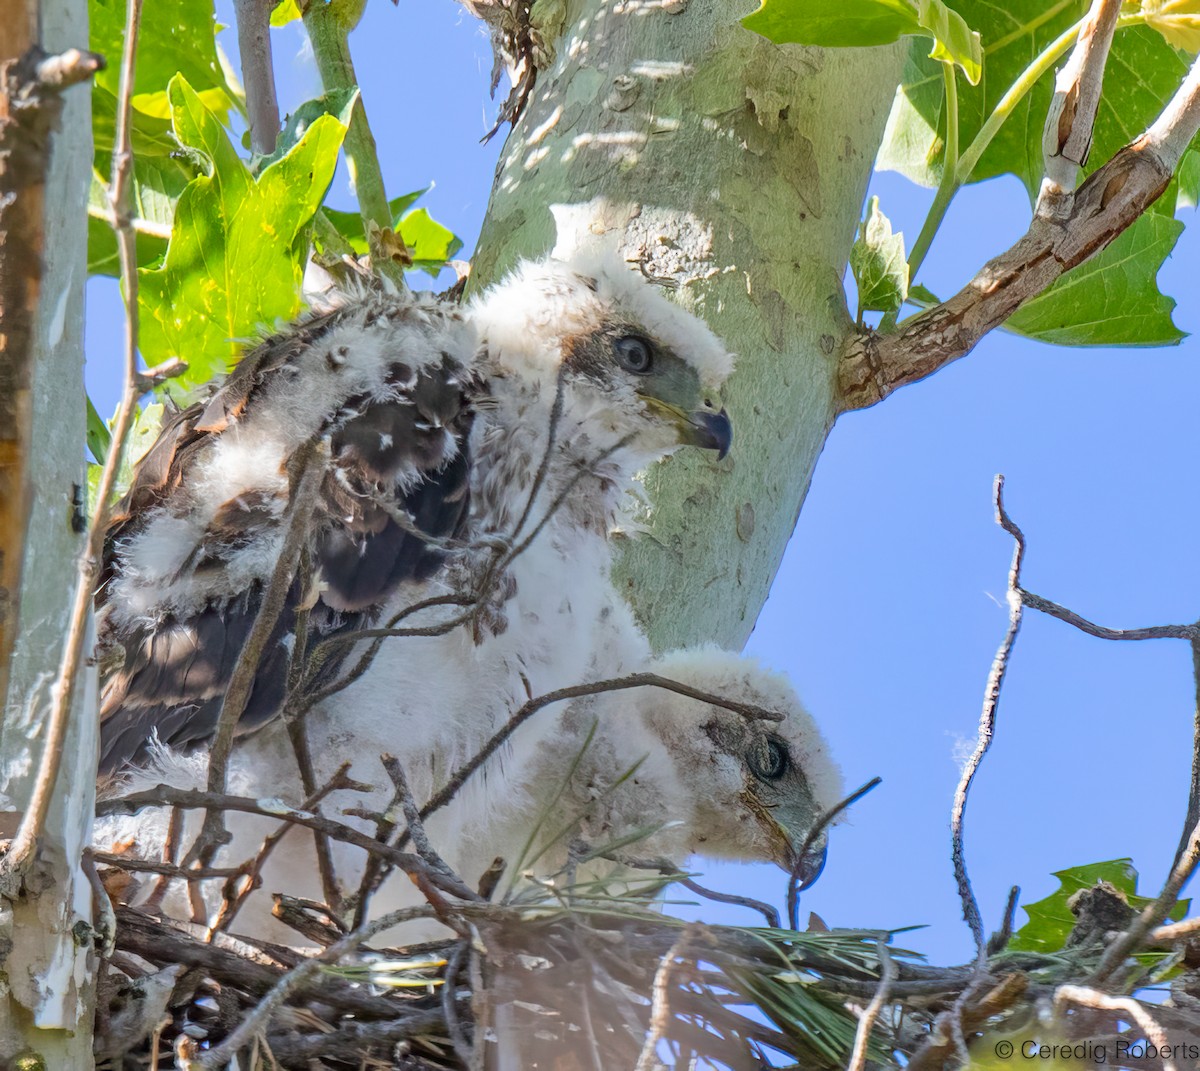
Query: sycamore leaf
[(431, 244), (1112, 299), (181, 38), (1177, 20), (340, 104), (879, 264), (953, 40), (1143, 73), (1188, 195), (157, 184), (284, 12), (862, 23), (238, 243), (147, 423), (834, 23), (99, 436), (1051, 919)]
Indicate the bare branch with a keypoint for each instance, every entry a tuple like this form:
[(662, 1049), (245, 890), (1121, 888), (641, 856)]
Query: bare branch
[(1134, 1009), (1111, 198), (310, 468), (819, 827), (867, 1020), (660, 1010), (1067, 138), (193, 799), (987, 724), (258, 72)]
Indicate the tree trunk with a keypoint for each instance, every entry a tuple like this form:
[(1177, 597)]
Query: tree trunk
[(46, 1003), (735, 170)]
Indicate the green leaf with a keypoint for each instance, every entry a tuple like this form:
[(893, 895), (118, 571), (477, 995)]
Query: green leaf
[(1189, 180), (178, 38), (1143, 72), (1177, 20), (1112, 299), (147, 422), (834, 23), (1051, 920), (238, 244), (285, 11), (953, 40), (98, 435), (863, 23), (157, 185), (879, 264), (431, 243), (340, 104), (350, 225)]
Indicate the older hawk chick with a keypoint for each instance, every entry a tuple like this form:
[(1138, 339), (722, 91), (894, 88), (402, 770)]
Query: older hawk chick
[(491, 447)]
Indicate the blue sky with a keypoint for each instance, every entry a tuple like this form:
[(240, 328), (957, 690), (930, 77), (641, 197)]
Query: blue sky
[(889, 605)]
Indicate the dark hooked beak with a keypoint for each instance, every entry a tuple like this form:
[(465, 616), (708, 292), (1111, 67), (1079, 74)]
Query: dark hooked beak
[(808, 868), (709, 430)]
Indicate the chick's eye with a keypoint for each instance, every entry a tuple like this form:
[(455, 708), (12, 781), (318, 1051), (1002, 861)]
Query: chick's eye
[(633, 354), (771, 763)]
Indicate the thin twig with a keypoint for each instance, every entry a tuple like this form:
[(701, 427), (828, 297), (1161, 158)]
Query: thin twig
[(999, 940), (819, 827), (463, 1048), (868, 1018), (1151, 632), (251, 872), (310, 468), (660, 1012), (1134, 1009), (24, 843), (194, 799), (987, 724)]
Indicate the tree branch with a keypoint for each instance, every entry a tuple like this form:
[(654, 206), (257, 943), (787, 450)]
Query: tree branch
[(1070, 120), (873, 365), (987, 725), (258, 72)]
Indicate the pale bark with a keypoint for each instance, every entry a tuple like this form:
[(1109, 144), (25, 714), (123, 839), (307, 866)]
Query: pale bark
[(45, 935), (735, 169)]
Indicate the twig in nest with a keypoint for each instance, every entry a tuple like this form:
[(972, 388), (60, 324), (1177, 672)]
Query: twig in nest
[(310, 461), (867, 1020), (660, 1010), (822, 824)]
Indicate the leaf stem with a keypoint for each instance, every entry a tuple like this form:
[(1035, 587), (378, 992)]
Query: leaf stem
[(329, 26), (1015, 94), (946, 190)]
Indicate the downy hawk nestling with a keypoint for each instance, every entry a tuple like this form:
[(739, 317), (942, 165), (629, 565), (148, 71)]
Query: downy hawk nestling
[(478, 462)]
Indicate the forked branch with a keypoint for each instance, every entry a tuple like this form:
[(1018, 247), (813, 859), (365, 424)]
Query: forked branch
[(874, 365)]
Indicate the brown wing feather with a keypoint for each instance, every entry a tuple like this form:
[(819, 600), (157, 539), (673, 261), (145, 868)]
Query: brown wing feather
[(176, 668)]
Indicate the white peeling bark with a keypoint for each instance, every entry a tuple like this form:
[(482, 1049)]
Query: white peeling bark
[(46, 948), (735, 169)]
